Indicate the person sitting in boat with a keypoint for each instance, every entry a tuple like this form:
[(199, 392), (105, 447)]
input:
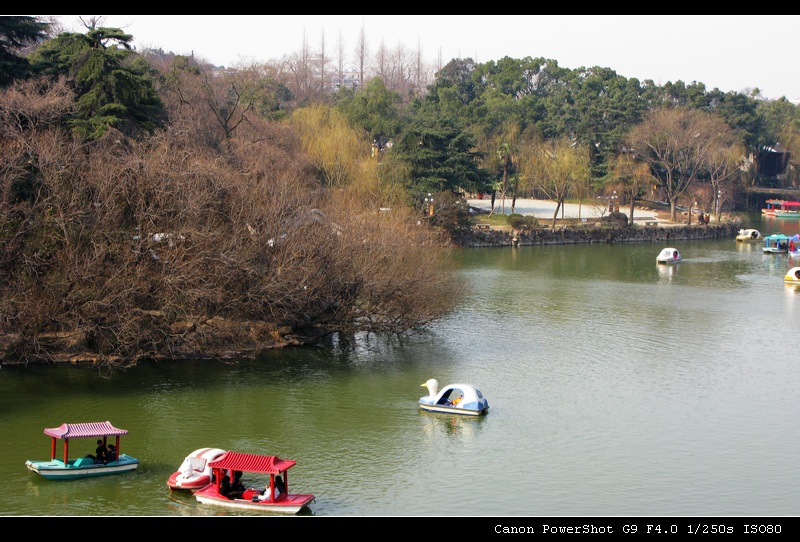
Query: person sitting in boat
[(279, 488), (99, 452), (111, 455), (225, 487), (455, 401), (237, 488)]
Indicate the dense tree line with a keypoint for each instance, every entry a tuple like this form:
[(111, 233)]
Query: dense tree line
[(152, 204)]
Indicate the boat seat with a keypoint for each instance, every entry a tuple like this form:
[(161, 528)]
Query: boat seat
[(78, 462)]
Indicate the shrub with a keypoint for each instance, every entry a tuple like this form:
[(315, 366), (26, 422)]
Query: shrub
[(522, 222)]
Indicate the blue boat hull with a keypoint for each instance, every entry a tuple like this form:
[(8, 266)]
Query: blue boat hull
[(56, 470)]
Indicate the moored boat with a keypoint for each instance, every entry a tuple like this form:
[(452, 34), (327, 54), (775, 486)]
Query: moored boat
[(669, 255), (86, 466), (782, 209), (194, 473), (273, 497), (453, 399)]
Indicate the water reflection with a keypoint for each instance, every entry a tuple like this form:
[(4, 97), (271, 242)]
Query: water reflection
[(667, 272)]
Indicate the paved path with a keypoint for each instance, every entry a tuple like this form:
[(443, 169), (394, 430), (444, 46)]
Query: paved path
[(544, 209)]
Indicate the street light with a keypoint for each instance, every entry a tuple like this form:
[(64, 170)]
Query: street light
[(612, 206), (719, 202), (429, 204)]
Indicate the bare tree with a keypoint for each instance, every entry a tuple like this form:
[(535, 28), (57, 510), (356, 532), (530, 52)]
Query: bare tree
[(676, 143), (362, 56)]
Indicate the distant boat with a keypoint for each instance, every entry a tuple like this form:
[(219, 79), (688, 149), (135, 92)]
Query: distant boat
[(669, 255), (65, 468), (779, 208), (749, 235)]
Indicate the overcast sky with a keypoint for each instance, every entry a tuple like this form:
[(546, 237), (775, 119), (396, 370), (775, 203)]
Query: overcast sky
[(728, 52)]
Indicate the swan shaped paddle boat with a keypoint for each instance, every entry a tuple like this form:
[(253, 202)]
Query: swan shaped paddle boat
[(453, 399), (792, 276), (748, 235), (195, 472), (669, 255)]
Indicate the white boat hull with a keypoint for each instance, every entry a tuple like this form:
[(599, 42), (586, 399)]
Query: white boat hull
[(291, 506), (451, 410)]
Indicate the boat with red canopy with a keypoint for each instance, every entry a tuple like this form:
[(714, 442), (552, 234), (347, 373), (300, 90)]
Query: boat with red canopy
[(85, 466), (273, 496)]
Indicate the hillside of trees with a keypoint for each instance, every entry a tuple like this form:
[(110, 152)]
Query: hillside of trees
[(154, 206)]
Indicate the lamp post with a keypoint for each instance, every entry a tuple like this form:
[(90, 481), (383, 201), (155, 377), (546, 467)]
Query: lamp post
[(719, 202), (429, 204), (612, 206)]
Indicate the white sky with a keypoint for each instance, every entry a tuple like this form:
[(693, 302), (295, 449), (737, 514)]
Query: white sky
[(728, 52)]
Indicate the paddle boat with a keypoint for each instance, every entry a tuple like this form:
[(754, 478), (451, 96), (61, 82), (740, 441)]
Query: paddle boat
[(792, 276), (453, 399), (669, 255), (195, 472), (273, 497), (777, 243), (794, 246), (748, 235), (86, 466)]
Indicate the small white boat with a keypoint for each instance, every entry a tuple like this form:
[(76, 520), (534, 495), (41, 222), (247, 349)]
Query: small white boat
[(792, 276), (748, 235), (195, 472), (669, 255), (453, 399)]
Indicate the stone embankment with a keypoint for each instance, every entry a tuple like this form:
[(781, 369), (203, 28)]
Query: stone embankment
[(583, 235)]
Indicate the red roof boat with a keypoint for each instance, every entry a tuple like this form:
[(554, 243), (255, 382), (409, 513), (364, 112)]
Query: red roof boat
[(82, 467), (254, 498)]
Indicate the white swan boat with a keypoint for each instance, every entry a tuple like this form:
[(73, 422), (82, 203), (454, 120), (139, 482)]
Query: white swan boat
[(453, 399), (669, 255), (195, 472)]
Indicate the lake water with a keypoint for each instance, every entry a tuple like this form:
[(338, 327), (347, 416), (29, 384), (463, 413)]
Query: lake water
[(617, 387)]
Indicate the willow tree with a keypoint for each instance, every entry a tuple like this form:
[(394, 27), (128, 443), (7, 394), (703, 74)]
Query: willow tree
[(559, 168), (631, 176)]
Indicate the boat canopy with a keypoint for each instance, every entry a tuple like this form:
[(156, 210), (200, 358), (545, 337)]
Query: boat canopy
[(84, 430), (270, 464)]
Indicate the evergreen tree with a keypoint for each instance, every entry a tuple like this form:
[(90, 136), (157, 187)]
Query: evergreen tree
[(17, 31), (113, 85)]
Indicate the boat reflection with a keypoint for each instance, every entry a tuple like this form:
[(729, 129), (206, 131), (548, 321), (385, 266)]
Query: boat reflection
[(462, 427), (667, 272)]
